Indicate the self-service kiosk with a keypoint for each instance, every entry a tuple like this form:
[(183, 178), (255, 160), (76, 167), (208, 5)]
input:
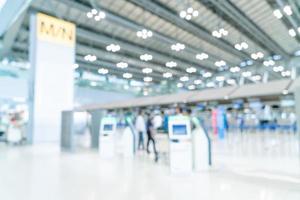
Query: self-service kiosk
[(107, 136), (202, 159), (129, 138), (180, 145)]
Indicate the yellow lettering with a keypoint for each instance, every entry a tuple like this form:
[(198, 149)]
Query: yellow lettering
[(55, 30)]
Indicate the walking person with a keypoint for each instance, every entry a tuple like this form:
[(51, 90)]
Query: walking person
[(151, 137), (140, 126)]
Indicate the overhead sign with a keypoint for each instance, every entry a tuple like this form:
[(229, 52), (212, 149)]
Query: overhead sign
[(55, 30)]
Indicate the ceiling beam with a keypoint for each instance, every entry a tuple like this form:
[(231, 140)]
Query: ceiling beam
[(248, 26), (112, 67), (161, 57), (191, 27), (10, 12), (127, 23), (291, 21), (11, 35)]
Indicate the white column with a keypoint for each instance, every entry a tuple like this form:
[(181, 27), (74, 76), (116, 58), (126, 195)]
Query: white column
[(51, 84)]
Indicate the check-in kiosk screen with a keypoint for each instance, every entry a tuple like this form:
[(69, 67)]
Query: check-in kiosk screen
[(108, 127), (179, 130)]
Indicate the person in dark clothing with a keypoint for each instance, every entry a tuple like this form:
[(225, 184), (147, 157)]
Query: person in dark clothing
[(150, 137)]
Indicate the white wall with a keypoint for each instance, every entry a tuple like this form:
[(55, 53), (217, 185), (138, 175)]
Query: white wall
[(90, 96), (18, 88)]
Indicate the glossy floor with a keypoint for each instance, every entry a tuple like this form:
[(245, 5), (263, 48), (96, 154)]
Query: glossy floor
[(250, 166)]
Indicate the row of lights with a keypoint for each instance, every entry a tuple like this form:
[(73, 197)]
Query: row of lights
[(220, 63), (177, 47), (202, 56), (90, 58), (219, 33), (293, 32), (191, 70), (97, 15), (146, 57), (171, 64), (122, 65), (144, 34), (113, 47), (189, 13), (269, 63), (286, 9), (246, 63), (241, 46), (258, 55)]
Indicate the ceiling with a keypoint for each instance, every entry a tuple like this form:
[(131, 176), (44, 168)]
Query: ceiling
[(252, 22)]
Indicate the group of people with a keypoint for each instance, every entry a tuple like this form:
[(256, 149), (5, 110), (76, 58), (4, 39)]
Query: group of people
[(151, 123)]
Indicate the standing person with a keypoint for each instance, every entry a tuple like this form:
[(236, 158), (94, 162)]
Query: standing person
[(150, 135), (140, 126)]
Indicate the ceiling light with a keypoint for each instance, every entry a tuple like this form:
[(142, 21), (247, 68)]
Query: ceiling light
[(191, 87), (127, 75), (220, 78), (288, 10), (179, 85), (103, 71), (297, 53), (256, 77), (191, 70), (188, 13), (147, 79), (147, 70), (146, 57), (230, 81), (285, 92), (277, 57), (286, 73), (278, 69), (177, 47), (220, 63), (235, 69), (241, 46), (184, 78), (195, 13), (89, 15), (171, 64), (182, 14), (277, 13), (75, 66), (210, 84), (269, 63), (249, 62), (257, 55), (144, 34), (292, 32), (113, 47), (93, 83), (167, 75), (243, 64), (188, 17), (90, 58), (246, 74), (238, 47), (201, 56), (122, 65), (96, 15), (94, 11), (197, 82), (219, 33), (207, 74)]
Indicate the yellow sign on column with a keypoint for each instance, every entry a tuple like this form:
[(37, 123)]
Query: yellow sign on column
[(55, 30)]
